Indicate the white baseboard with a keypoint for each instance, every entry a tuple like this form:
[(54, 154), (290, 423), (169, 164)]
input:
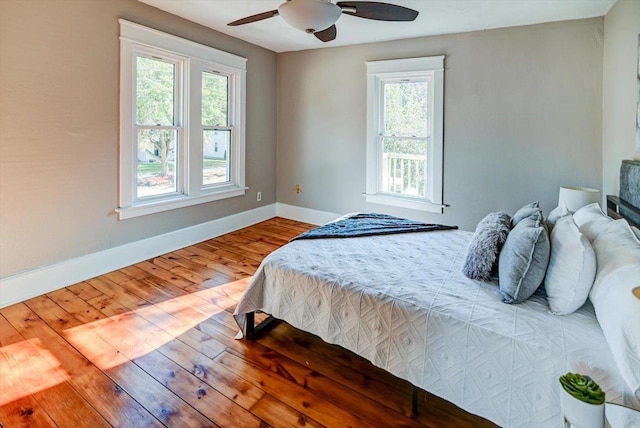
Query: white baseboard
[(306, 215), (23, 286)]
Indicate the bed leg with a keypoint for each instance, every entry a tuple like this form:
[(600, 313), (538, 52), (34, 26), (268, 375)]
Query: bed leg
[(251, 326), (414, 401), (254, 331)]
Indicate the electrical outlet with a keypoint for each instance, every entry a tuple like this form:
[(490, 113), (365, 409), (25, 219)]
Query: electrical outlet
[(259, 196), (298, 188)]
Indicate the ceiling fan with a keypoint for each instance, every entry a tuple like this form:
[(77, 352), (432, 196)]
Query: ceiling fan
[(318, 17)]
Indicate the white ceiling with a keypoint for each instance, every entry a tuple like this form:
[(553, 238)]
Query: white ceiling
[(436, 17)]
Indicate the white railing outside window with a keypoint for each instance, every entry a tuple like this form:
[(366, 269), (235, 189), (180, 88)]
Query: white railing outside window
[(404, 174)]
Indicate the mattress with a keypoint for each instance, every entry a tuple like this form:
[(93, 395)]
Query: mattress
[(401, 302)]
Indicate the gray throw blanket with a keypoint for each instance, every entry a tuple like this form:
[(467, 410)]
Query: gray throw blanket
[(369, 224)]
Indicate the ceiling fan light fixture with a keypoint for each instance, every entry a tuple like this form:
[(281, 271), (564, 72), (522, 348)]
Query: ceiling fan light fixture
[(310, 15)]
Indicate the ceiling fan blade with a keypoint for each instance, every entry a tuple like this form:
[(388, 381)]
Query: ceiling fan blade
[(378, 11), (254, 18), (326, 35)]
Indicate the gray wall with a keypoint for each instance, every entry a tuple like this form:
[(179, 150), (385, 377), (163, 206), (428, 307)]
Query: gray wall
[(522, 117), (620, 91), (59, 129)]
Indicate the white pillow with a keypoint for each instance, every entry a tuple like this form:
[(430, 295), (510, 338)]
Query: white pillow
[(554, 216), (558, 212), (591, 220), (618, 253), (572, 268)]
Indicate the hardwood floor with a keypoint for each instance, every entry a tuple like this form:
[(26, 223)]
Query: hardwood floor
[(153, 345)]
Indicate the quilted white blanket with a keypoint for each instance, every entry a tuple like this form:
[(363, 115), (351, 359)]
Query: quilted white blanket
[(401, 302)]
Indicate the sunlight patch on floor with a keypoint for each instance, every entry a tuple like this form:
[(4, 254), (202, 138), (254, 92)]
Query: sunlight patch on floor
[(33, 369), (112, 341)]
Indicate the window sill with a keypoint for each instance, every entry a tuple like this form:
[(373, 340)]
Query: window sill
[(182, 201), (402, 202)]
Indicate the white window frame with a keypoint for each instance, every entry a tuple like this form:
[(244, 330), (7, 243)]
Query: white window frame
[(191, 59), (430, 69)]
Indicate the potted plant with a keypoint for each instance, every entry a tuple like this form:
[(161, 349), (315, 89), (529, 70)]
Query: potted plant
[(582, 401)]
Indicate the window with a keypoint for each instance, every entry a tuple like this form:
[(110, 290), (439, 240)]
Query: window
[(405, 133), (182, 135)]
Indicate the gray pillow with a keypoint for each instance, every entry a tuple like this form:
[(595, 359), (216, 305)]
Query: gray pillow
[(481, 260), (523, 260), (529, 210)]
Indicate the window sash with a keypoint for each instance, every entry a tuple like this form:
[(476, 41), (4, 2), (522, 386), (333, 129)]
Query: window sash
[(228, 158), (381, 125), (229, 94), (140, 51), (383, 106), (232, 168)]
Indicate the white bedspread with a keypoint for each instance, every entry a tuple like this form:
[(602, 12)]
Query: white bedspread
[(402, 302)]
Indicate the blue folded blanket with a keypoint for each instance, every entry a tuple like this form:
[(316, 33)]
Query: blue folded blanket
[(369, 224)]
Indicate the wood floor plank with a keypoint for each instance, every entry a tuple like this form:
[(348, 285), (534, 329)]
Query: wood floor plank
[(132, 335), (201, 268), (210, 260), (352, 377), (199, 363), (84, 290), (135, 272), (191, 275), (150, 291), (202, 396), (233, 253), (41, 375), (180, 327), (162, 403), (258, 236), (116, 406), (19, 411), (258, 232), (278, 414), (18, 407), (332, 362), (109, 288), (116, 276), (326, 388), (292, 394), (164, 274)]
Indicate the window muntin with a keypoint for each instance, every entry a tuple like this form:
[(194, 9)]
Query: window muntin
[(182, 121), (405, 133)]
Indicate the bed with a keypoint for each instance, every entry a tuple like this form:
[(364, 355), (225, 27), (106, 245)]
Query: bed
[(401, 302)]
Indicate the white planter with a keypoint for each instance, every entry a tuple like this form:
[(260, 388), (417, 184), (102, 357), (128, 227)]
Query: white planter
[(578, 414)]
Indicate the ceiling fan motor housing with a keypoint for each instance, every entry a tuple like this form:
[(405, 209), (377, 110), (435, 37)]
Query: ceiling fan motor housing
[(310, 15)]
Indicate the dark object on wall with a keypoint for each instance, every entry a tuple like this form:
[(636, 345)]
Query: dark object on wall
[(628, 204), (630, 182)]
